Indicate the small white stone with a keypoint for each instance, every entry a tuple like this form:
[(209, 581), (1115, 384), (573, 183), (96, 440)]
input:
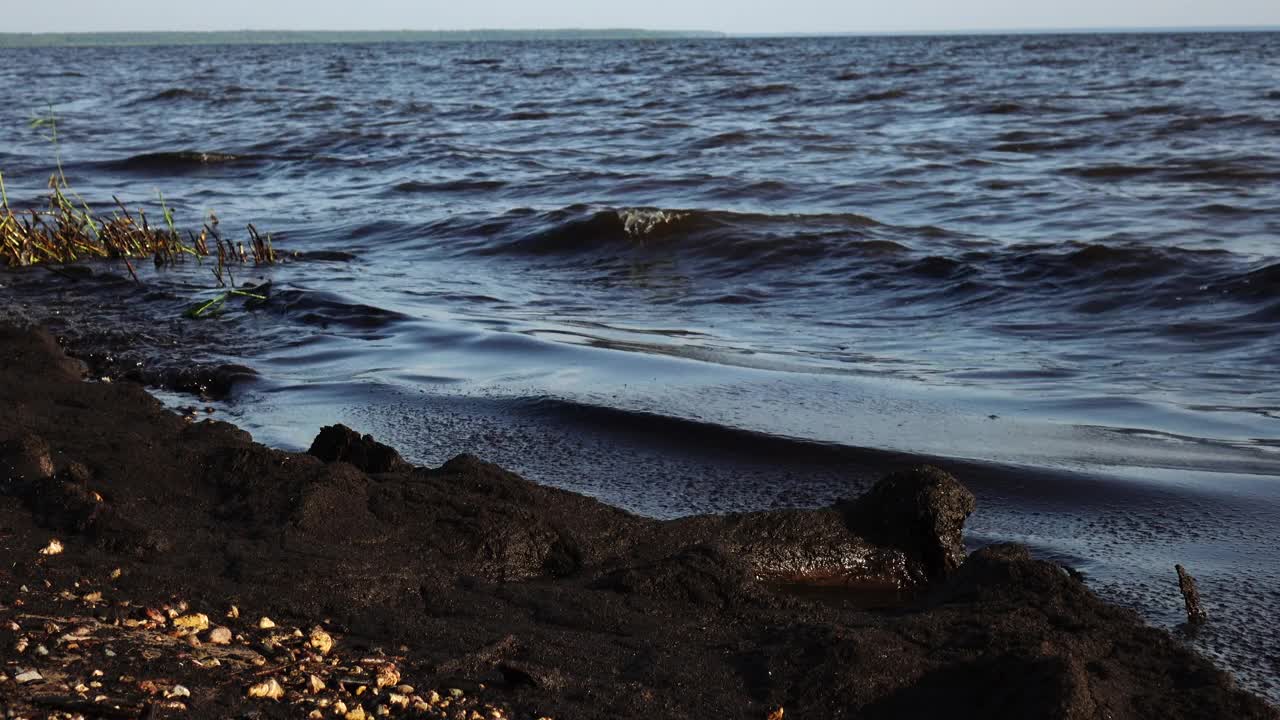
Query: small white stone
[(388, 676), (178, 691), (321, 641), (269, 689), (53, 548), (194, 621), (29, 676), (265, 624)]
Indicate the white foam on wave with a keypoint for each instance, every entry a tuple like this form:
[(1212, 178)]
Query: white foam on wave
[(640, 222)]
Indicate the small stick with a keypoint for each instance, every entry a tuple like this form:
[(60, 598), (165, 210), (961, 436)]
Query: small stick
[(1191, 596)]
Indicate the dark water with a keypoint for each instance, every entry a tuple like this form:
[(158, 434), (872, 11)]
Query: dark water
[(692, 276)]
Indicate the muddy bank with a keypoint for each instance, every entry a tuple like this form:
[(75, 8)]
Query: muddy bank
[(542, 602)]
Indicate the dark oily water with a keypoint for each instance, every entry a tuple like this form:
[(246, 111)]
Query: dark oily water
[(690, 276)]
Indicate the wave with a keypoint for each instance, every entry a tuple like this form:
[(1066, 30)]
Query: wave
[(692, 233), (750, 92), (1233, 171), (1001, 108), (174, 94), (526, 115), (177, 161), (724, 139), (449, 186), (326, 309), (892, 94), (679, 434), (880, 262)]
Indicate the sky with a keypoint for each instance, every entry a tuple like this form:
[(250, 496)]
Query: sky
[(734, 16)]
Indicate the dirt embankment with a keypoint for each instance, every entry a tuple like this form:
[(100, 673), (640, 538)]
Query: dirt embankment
[(466, 591)]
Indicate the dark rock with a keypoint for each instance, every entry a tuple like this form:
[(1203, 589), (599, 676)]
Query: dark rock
[(337, 505), (1006, 573), (1009, 686), (206, 381), (526, 673), (703, 576), (920, 511), (64, 505), (24, 458), (814, 547), (341, 443)]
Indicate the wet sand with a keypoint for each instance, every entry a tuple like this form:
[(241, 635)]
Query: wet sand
[(530, 600)]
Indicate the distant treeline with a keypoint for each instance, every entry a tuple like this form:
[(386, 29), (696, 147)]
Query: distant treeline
[(281, 37)]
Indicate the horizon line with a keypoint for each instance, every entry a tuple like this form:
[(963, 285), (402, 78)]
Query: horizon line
[(688, 31)]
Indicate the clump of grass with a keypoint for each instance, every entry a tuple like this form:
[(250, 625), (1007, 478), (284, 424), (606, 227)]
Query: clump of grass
[(67, 230)]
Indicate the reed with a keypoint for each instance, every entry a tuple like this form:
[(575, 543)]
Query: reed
[(63, 231), (67, 230)]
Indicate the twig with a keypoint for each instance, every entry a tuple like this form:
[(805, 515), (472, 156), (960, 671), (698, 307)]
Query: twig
[(1196, 614)]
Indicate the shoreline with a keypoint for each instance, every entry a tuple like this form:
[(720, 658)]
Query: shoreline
[(539, 601)]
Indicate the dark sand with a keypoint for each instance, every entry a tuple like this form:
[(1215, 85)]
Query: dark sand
[(532, 600)]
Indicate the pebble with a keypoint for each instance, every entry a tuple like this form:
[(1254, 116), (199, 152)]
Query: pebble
[(265, 624), (269, 689), (29, 676), (315, 685), (195, 621), (321, 640), (178, 691), (220, 636), (388, 676), (53, 548), (356, 713)]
